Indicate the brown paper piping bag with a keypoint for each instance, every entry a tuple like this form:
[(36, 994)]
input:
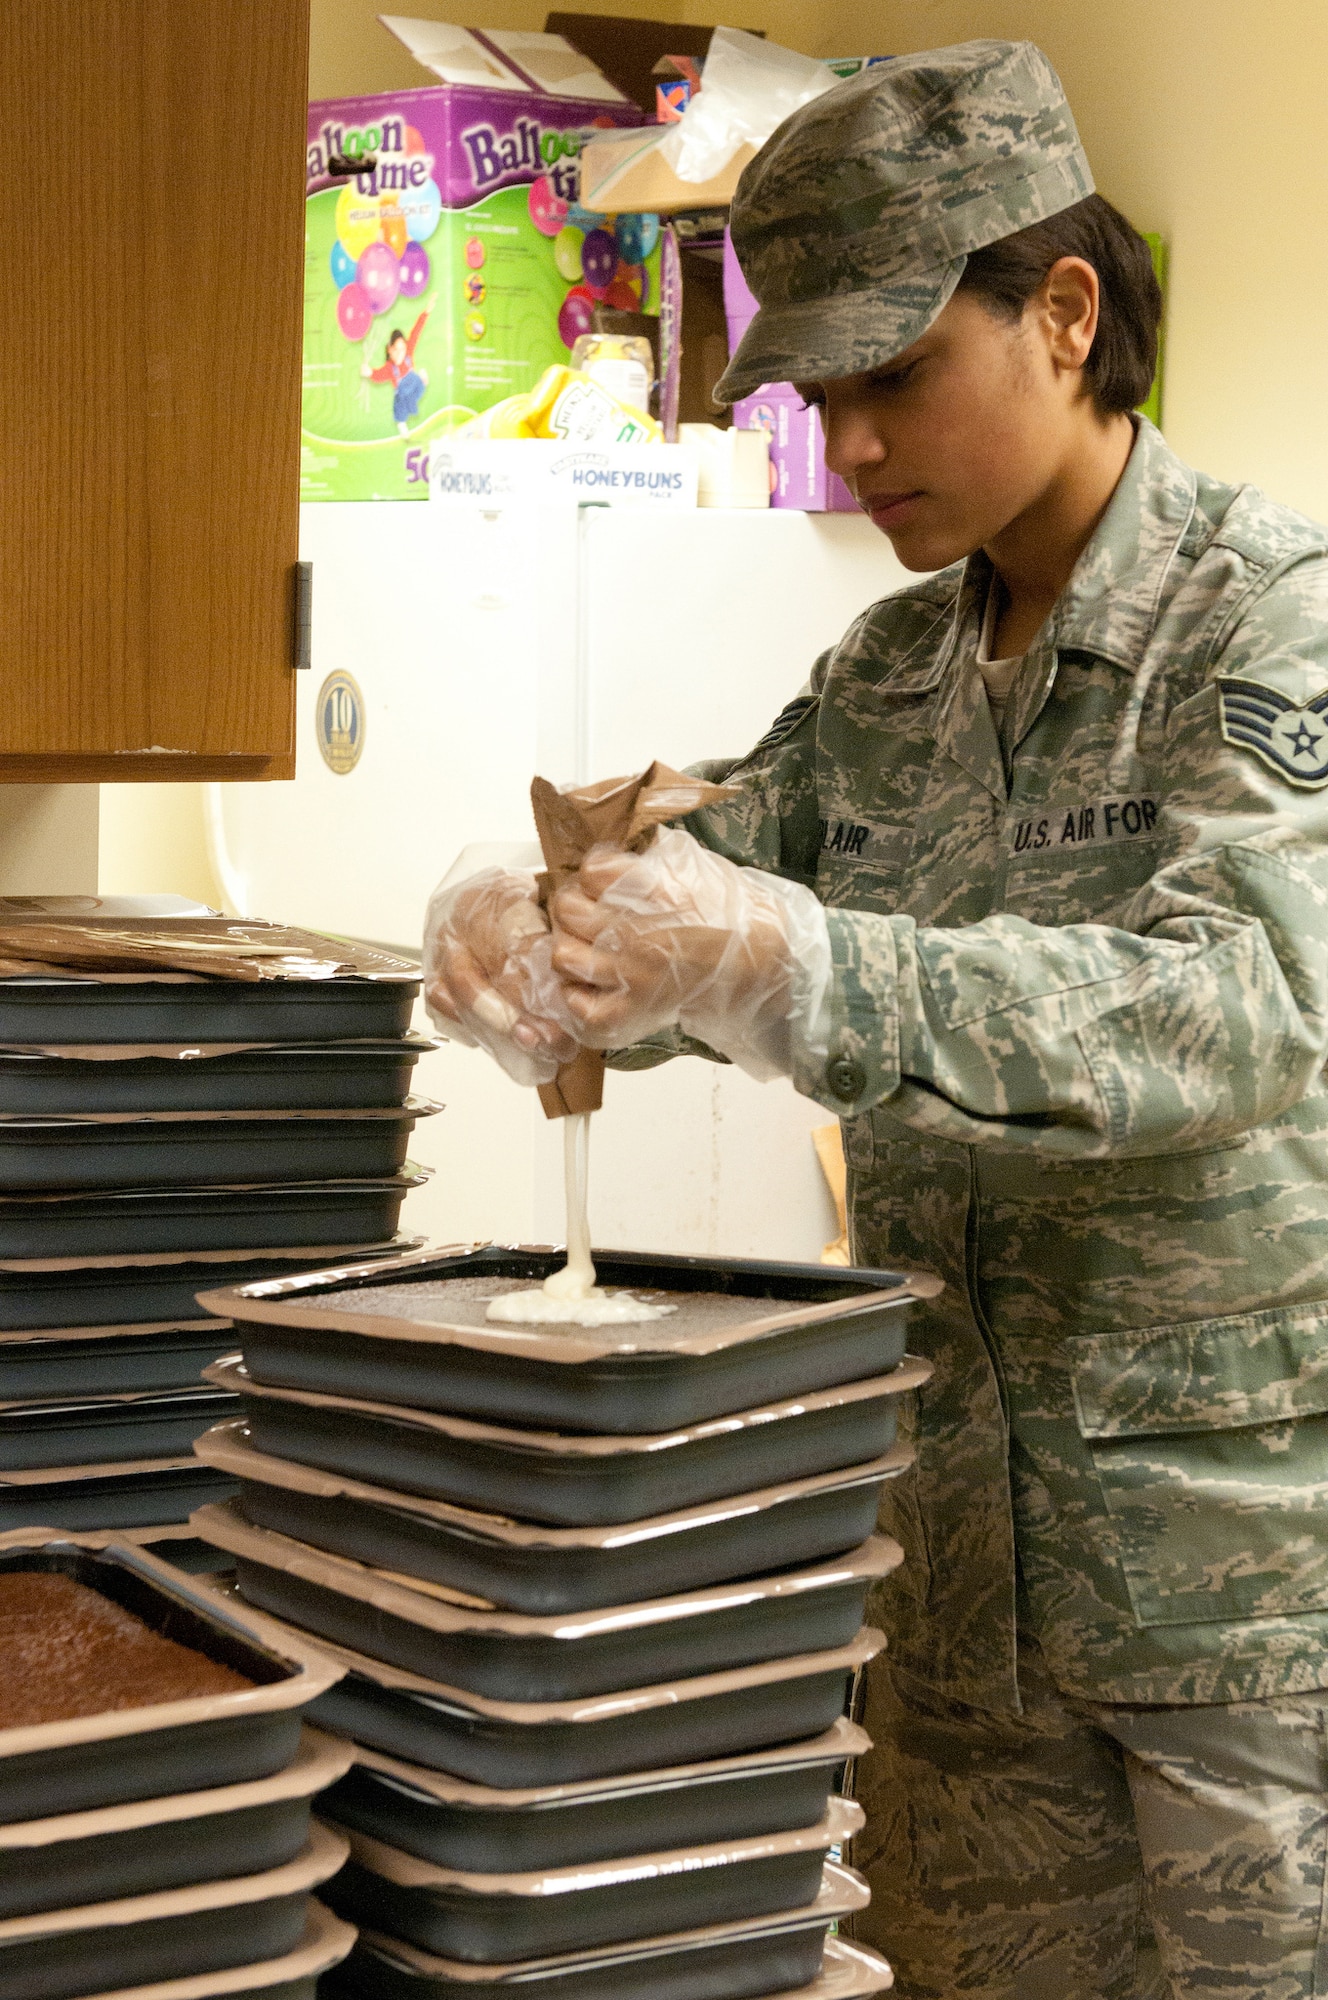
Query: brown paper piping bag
[(617, 812)]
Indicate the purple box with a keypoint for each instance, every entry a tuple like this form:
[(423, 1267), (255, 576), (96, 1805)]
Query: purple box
[(799, 477), (448, 272)]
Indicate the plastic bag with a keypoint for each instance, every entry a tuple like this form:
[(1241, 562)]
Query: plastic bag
[(488, 962), (748, 87), (682, 937)]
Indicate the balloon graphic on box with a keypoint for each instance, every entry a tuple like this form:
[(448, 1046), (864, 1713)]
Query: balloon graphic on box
[(577, 316), (421, 207), (624, 294), (413, 270), (567, 248), (342, 263), (395, 233), (548, 211), (354, 313), (599, 260), (637, 236), (357, 220), (379, 277)]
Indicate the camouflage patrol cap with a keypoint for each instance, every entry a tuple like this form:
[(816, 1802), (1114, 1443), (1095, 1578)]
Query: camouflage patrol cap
[(854, 221)]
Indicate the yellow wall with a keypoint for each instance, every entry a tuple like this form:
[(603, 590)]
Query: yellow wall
[(152, 841), (1203, 119)]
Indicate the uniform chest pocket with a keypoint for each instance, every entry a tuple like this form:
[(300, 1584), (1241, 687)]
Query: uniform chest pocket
[(1210, 1443), (1079, 861)]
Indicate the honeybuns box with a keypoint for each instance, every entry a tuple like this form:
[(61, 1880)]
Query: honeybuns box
[(447, 264)]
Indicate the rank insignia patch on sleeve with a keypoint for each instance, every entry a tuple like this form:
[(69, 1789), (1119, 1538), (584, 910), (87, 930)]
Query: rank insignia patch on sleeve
[(1290, 738), (784, 724)]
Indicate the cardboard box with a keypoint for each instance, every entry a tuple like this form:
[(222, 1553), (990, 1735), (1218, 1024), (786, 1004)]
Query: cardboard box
[(625, 172), (799, 477), (450, 271)]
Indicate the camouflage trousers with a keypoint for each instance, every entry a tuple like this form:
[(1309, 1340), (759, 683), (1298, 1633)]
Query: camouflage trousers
[(1088, 1852)]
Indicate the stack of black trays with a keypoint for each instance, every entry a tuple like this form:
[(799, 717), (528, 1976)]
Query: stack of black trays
[(600, 1598), (166, 1848), (160, 1135)]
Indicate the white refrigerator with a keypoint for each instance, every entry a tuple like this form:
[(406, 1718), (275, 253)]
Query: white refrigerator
[(576, 642)]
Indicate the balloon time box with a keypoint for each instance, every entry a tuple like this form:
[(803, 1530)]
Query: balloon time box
[(448, 272)]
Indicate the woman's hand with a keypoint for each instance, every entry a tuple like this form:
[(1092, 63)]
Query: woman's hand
[(679, 936), (488, 976)]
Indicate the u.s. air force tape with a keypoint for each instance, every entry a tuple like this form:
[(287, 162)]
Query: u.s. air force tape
[(1290, 737), (1079, 823)]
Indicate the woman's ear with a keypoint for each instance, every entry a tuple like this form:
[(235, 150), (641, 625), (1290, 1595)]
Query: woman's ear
[(1067, 310)]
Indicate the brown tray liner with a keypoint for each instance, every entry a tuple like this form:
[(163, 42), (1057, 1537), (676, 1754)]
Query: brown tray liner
[(439, 1610), (725, 1319), (844, 1742), (843, 1893), (231, 1373), (324, 1854), (224, 1447), (412, 1043), (843, 1818), (593, 1708), (319, 1762), (411, 1107), (35, 1335), (129, 1260), (325, 1943), (145, 948)]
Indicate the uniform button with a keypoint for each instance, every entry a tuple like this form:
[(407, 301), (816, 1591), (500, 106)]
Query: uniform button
[(847, 1079)]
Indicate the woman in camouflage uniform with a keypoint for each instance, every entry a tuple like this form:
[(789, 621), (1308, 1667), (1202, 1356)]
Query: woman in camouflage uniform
[(1030, 885)]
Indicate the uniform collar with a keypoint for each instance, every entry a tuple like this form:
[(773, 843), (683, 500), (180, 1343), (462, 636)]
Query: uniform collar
[(1108, 608)]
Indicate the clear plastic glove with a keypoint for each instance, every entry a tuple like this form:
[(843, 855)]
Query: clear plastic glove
[(679, 936), (488, 974)]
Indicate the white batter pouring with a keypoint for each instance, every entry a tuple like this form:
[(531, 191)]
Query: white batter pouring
[(571, 1295)]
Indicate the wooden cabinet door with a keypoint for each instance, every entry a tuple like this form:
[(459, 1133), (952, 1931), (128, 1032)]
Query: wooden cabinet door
[(153, 277)]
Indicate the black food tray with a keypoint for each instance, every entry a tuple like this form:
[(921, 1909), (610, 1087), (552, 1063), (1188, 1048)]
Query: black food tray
[(54, 1155), (47, 1011), (779, 1963), (109, 1429), (133, 1222), (776, 1955), (541, 1477), (37, 1295), (185, 1747), (113, 1947), (472, 1827), (236, 1830), (83, 1503), (332, 1076), (300, 1337), (508, 1745), (480, 1919), (140, 1359), (549, 1570), (549, 1666)]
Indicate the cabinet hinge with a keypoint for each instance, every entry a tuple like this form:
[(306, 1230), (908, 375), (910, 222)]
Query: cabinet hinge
[(303, 618)]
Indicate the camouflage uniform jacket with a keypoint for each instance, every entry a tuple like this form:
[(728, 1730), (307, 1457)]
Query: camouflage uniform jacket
[(1080, 1026)]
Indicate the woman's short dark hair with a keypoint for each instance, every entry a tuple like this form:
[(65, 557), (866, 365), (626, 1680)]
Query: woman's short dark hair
[(1119, 370)]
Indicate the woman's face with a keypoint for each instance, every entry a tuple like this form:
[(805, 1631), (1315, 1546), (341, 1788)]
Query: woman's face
[(968, 429)]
